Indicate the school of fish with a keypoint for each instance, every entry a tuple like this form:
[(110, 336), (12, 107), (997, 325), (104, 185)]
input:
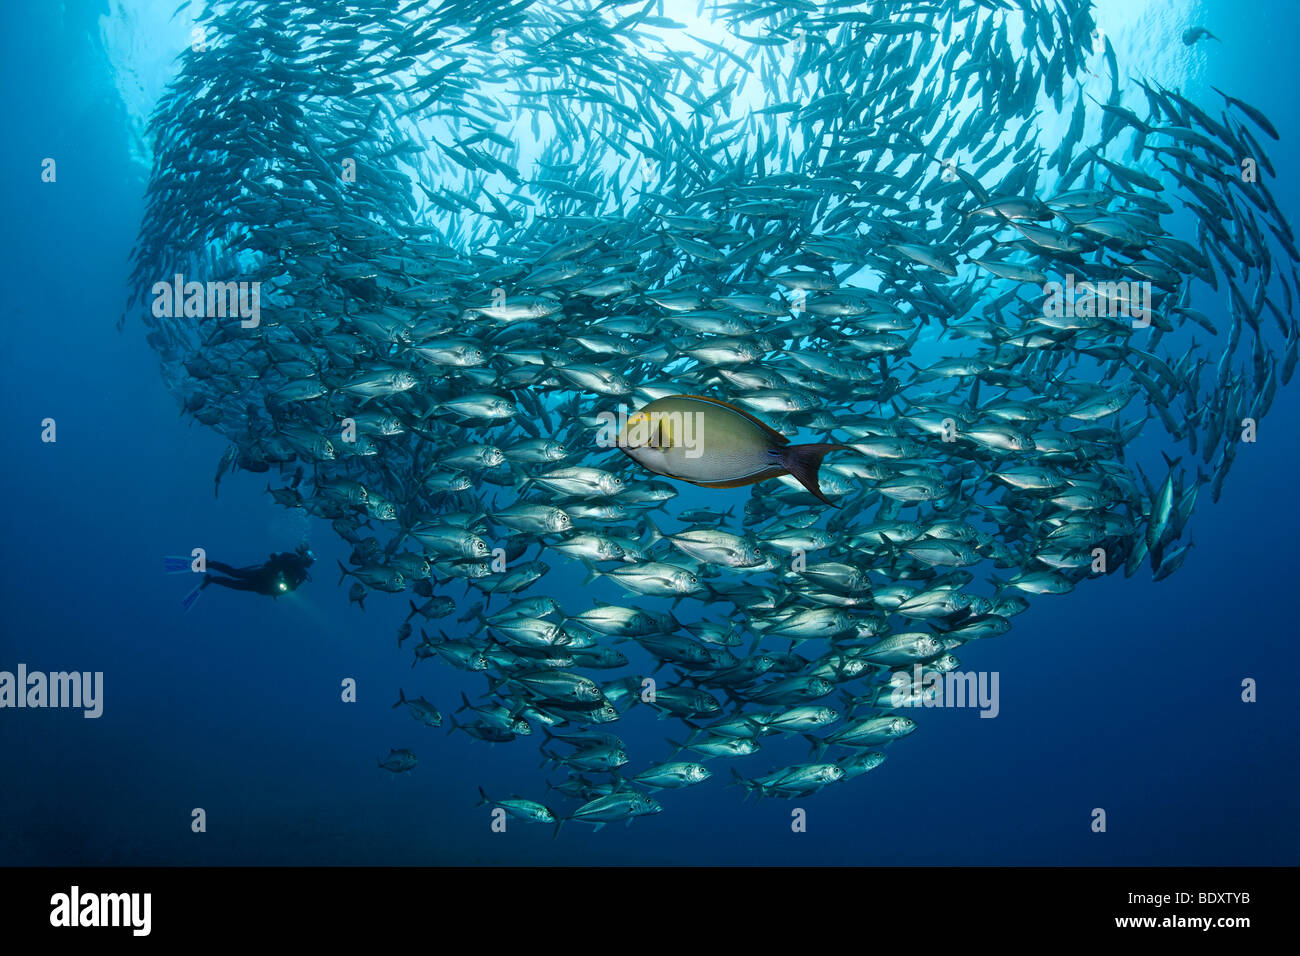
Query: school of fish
[(940, 241)]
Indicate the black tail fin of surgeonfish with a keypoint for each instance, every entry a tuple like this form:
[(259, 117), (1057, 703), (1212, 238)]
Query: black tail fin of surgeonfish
[(804, 461)]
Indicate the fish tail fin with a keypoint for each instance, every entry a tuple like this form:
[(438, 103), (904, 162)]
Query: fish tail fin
[(850, 704), (652, 529), (804, 462), (401, 698), (677, 748), (188, 601), (466, 705), (750, 786), (592, 574), (713, 594), (454, 724), (175, 564), (485, 799), (414, 610), (343, 572)]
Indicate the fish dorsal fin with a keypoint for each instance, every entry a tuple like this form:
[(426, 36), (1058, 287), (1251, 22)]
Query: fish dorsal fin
[(771, 432)]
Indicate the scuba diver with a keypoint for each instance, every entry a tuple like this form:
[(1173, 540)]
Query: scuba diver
[(281, 574)]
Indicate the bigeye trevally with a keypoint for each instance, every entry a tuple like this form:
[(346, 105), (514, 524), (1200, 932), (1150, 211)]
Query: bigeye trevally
[(716, 445)]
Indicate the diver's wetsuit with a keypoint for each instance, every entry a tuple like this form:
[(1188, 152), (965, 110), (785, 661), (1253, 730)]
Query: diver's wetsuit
[(280, 575)]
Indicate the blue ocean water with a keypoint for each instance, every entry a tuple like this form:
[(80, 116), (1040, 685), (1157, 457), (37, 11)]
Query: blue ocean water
[(1123, 695)]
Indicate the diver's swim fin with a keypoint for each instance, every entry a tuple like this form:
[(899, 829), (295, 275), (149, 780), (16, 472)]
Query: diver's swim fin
[(192, 597), (177, 565)]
